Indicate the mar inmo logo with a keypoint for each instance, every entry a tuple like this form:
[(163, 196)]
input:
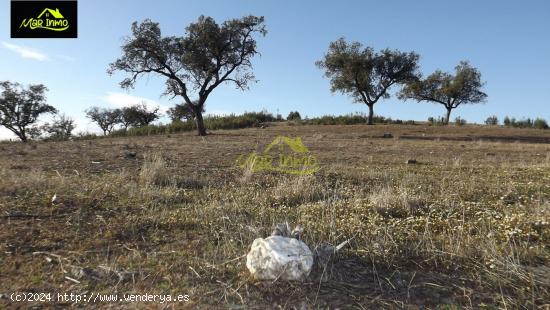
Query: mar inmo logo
[(58, 23), (283, 154), (43, 19)]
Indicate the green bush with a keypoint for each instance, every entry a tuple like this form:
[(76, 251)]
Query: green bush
[(459, 121), (491, 120), (352, 119), (85, 136), (293, 116), (540, 123), (211, 122), (436, 121)]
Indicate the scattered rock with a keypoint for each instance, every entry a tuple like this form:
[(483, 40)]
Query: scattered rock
[(387, 135), (411, 161), (278, 257), (283, 256)]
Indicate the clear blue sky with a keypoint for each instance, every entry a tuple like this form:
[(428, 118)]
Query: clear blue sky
[(507, 40)]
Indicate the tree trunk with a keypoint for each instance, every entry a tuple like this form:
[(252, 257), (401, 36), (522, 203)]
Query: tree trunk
[(371, 114), (22, 135), (448, 116), (23, 138), (201, 130)]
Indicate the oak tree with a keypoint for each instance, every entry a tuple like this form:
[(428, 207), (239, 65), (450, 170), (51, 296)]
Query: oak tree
[(20, 107), (61, 128), (106, 119), (138, 115), (193, 65), (464, 87), (364, 74)]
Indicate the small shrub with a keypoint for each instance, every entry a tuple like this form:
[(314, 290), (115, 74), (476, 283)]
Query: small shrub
[(507, 121), (540, 123), (459, 121), (293, 115), (154, 171), (85, 136), (436, 121), (491, 120)]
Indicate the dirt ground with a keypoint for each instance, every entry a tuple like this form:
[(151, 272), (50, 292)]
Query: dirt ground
[(465, 226)]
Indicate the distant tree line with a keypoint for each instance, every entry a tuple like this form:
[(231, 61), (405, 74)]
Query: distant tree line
[(538, 123), (132, 116)]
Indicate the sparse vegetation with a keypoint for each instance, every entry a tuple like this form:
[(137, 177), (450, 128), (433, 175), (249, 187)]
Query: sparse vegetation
[(211, 122), (538, 123), (467, 226), (353, 119)]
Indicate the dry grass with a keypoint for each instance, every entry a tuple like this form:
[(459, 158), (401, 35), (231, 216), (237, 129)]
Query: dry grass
[(468, 226)]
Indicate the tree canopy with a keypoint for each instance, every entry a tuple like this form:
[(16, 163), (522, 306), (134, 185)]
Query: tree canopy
[(20, 107), (465, 87), (106, 119), (364, 74), (138, 115), (61, 128), (195, 64), (182, 111)]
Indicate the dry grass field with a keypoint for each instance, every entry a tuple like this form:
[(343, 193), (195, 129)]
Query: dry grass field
[(467, 226)]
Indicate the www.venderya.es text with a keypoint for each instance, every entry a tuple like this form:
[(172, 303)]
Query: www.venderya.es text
[(89, 297)]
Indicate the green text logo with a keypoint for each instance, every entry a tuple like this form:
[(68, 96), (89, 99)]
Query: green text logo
[(49, 19), (284, 154)]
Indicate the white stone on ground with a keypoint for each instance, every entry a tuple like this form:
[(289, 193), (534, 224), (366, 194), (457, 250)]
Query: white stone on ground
[(278, 257)]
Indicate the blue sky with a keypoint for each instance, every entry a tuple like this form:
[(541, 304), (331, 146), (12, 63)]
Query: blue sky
[(507, 40)]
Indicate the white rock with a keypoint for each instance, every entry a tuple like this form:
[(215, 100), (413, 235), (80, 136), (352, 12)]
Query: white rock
[(278, 257)]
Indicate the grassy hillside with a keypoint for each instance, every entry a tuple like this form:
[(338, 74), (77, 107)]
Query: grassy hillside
[(468, 225)]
